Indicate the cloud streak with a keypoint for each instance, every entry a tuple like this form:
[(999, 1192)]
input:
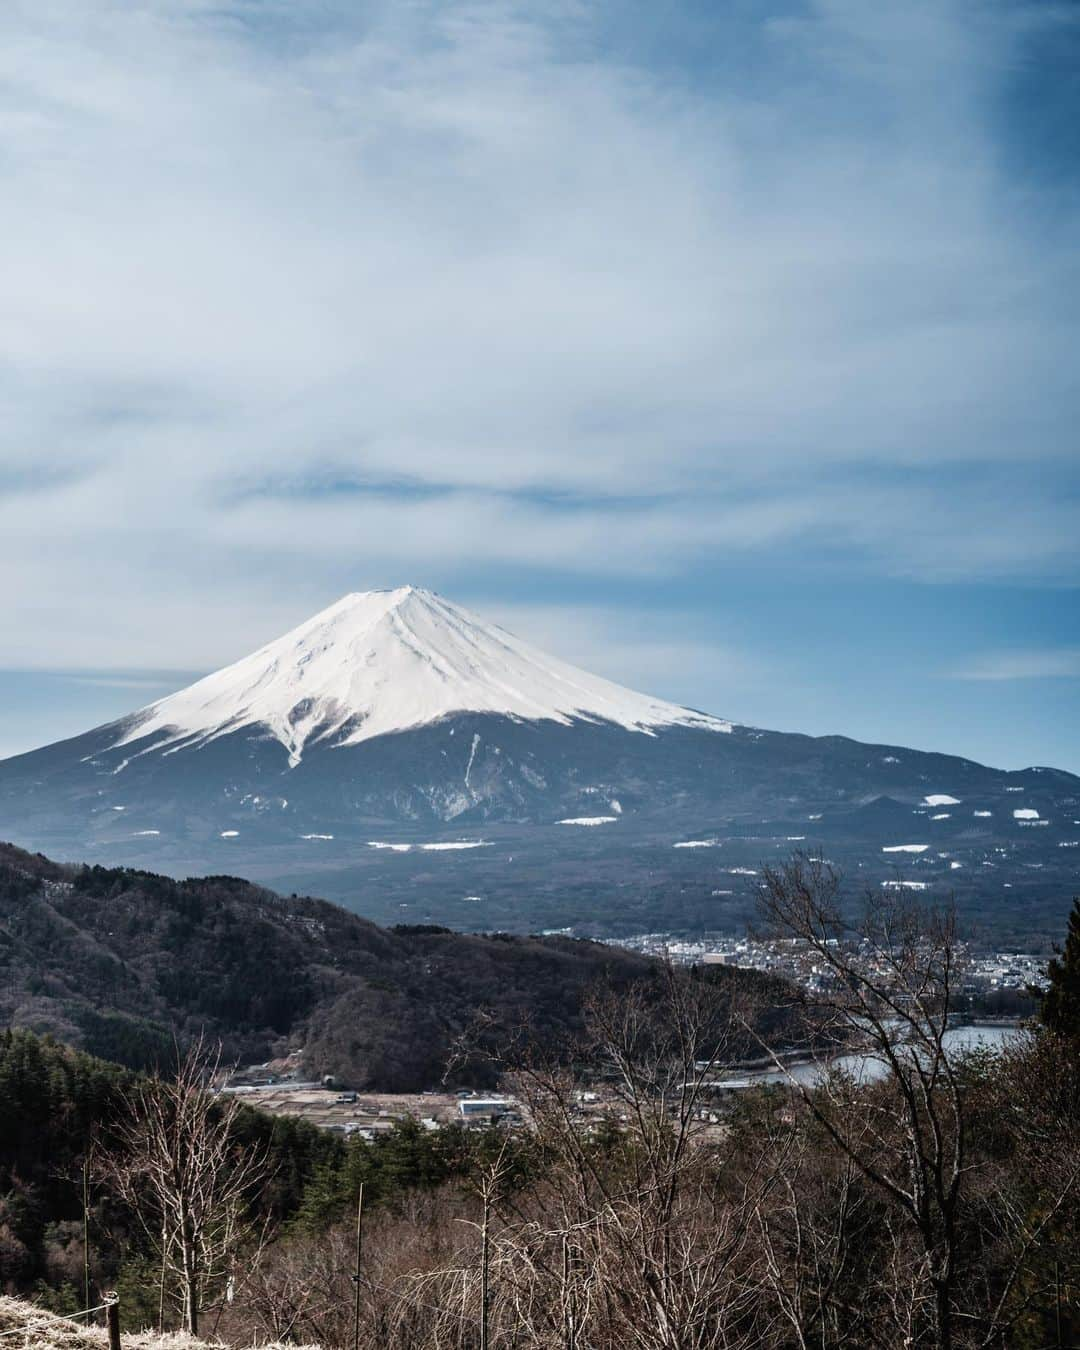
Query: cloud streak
[(1036, 664)]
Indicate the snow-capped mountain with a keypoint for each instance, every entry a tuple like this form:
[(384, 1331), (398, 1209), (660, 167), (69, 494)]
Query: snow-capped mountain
[(410, 758), (379, 662)]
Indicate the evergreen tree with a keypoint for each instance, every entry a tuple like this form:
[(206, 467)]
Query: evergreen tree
[(1060, 1009)]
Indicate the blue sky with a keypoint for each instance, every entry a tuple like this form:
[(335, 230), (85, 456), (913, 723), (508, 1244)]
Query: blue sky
[(728, 350)]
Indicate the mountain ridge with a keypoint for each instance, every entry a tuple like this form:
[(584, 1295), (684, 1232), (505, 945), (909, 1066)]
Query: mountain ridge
[(310, 766)]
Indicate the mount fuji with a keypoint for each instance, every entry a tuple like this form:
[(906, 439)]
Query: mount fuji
[(403, 755), (382, 662)]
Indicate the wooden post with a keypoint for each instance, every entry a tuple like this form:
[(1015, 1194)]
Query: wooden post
[(1057, 1301), (161, 1283), (86, 1229), (570, 1306), (484, 1270), (356, 1271), (112, 1321)]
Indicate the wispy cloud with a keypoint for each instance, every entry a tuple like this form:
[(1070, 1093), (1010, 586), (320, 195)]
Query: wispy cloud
[(1036, 664), (109, 679)]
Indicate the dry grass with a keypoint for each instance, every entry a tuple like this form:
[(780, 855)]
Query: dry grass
[(22, 1325)]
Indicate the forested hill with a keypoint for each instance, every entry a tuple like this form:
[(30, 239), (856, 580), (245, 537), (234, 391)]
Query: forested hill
[(117, 961)]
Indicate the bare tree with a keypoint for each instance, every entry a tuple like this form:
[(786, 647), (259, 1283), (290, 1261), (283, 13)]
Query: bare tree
[(893, 981), (641, 1232), (892, 978), (179, 1167), (815, 1225)]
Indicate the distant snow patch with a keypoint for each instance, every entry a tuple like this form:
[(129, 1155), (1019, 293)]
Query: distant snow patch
[(316, 836), (942, 815), (1025, 813), (698, 843), (941, 799), (904, 885), (588, 820), (442, 846), (119, 808), (456, 844), (905, 848), (140, 834), (984, 813), (741, 872), (230, 834), (616, 805), (472, 756), (817, 817), (955, 866)]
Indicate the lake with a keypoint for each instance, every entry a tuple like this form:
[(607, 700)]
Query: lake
[(864, 1067)]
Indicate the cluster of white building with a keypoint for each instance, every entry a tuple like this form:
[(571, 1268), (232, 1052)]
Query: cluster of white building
[(797, 961)]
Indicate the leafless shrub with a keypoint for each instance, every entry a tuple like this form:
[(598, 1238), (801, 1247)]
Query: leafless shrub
[(178, 1167)]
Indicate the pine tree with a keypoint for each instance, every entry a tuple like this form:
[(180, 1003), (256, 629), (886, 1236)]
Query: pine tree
[(1060, 1009)]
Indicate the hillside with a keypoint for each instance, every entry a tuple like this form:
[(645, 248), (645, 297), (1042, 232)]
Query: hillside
[(115, 961)]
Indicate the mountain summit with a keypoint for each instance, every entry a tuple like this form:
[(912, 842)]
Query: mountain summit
[(378, 662)]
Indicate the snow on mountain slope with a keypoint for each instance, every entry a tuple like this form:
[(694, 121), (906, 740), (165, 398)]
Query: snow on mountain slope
[(383, 661)]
